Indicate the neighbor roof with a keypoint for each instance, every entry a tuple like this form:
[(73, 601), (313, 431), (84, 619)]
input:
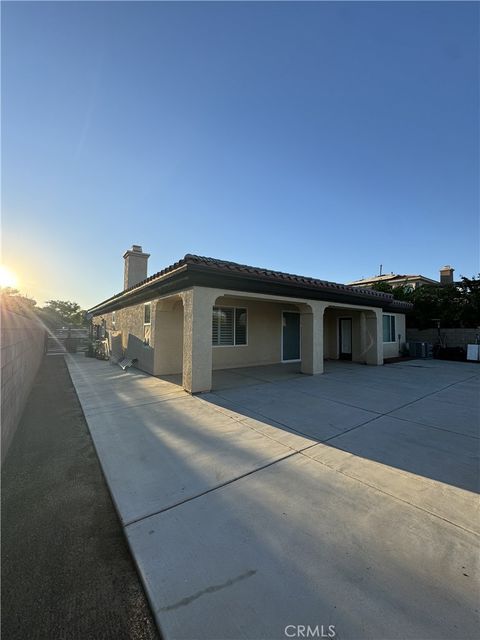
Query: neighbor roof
[(202, 271), (391, 276)]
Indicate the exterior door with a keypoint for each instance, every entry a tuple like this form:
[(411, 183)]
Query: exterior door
[(290, 336), (345, 338)]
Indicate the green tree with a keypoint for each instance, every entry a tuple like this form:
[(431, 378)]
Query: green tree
[(470, 288), (454, 305), (384, 287), (442, 303), (62, 312), (404, 293)]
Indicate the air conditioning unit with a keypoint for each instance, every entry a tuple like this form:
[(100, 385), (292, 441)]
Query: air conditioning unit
[(420, 349)]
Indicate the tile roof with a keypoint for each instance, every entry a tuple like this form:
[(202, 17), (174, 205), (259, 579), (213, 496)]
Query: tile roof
[(391, 276), (223, 267), (226, 266)]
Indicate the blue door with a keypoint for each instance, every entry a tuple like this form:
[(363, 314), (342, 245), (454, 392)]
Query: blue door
[(290, 336)]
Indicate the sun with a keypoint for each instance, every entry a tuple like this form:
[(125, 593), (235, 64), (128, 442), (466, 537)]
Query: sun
[(7, 277)]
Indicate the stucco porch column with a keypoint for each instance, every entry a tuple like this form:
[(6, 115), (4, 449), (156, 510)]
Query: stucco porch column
[(197, 339), (372, 336), (311, 320), (168, 336)]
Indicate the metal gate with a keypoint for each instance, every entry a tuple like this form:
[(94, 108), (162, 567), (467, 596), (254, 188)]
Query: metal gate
[(66, 339)]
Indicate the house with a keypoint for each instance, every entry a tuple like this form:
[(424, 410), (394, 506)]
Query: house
[(413, 281), (202, 313)]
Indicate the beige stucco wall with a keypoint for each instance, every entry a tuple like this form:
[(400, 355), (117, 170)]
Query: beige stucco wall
[(392, 349), (264, 326), (331, 333), (264, 331), (181, 332), (168, 336)]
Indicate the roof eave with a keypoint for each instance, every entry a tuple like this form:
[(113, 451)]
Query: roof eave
[(187, 274)]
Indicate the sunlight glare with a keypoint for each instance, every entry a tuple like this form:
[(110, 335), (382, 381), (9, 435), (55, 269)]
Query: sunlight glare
[(7, 277)]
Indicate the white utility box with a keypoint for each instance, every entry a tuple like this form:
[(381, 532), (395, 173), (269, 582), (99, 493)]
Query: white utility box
[(473, 351)]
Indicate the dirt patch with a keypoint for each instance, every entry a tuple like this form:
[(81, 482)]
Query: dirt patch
[(66, 568)]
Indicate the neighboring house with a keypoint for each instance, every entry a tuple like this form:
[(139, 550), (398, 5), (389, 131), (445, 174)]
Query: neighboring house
[(201, 314), (413, 281)]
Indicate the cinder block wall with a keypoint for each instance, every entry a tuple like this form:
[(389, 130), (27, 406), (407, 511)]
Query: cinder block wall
[(453, 337), (22, 348)]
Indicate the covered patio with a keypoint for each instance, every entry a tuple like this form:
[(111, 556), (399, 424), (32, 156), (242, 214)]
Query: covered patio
[(248, 376), (207, 338)]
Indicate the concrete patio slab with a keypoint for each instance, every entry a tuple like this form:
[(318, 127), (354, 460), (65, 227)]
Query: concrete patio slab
[(425, 376), (377, 399), (242, 521), (435, 453), (252, 396), (298, 543), (314, 417), (157, 454), (441, 410), (448, 502), (463, 393), (254, 420)]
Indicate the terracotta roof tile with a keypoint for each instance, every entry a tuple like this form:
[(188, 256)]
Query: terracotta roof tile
[(226, 266), (281, 276)]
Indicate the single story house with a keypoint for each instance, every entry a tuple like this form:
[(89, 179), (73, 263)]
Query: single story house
[(202, 313)]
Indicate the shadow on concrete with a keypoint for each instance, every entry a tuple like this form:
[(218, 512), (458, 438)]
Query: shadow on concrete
[(219, 558), (418, 417)]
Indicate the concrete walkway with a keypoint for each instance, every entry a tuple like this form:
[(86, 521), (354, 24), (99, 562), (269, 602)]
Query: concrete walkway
[(66, 568), (345, 499)]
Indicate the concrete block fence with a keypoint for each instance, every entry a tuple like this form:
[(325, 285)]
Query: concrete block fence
[(456, 337), (21, 352)]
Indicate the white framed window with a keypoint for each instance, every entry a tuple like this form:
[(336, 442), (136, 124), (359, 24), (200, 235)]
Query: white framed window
[(113, 319), (147, 313), (388, 328), (229, 326)]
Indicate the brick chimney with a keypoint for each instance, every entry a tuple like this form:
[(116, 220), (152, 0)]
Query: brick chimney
[(135, 266), (446, 274)]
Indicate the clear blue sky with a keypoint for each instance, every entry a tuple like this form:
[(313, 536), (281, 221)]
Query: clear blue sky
[(317, 138)]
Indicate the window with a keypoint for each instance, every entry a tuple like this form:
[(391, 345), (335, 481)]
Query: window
[(229, 326), (147, 312), (113, 319), (389, 328)]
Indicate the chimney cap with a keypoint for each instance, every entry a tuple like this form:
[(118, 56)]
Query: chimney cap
[(447, 267), (136, 250)]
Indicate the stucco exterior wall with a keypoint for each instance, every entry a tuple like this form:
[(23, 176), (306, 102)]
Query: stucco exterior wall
[(128, 337), (331, 333), (180, 333), (392, 349), (22, 349), (264, 334), (168, 336)]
